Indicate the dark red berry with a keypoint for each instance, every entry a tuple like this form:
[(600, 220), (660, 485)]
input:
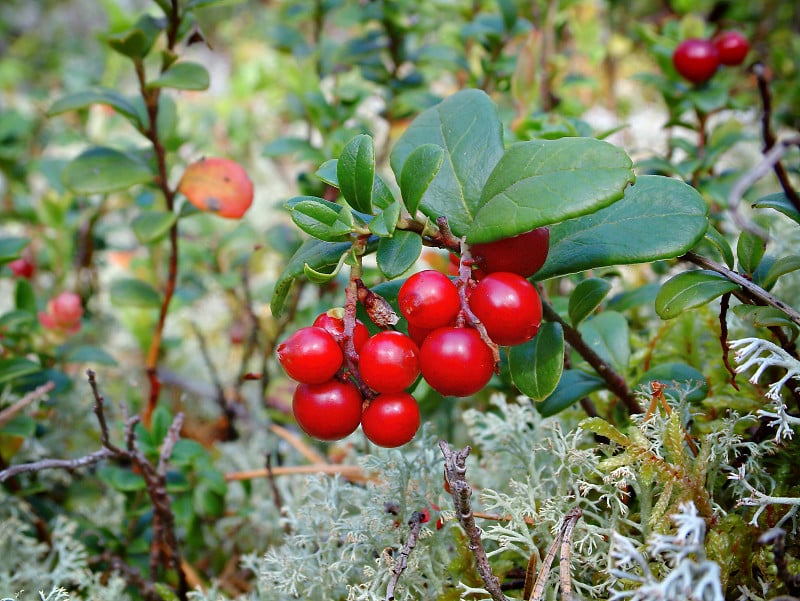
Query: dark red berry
[(327, 411), (334, 324), (523, 254), (389, 362), (310, 355), (732, 47), (456, 361), (428, 299), (696, 60), (391, 420), (508, 306)]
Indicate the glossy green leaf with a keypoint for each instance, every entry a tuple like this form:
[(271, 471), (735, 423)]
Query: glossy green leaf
[(778, 268), (382, 196), (419, 170), (750, 250), (467, 128), (356, 173), (327, 172), (385, 221), (677, 376), (607, 335), (586, 297), (323, 219), (10, 247), (152, 226), (572, 387), (765, 317), (16, 367), (318, 255), (779, 202), (137, 41), (397, 254), (122, 479), (185, 75), (323, 276), (88, 354), (100, 170), (86, 98), (129, 292), (657, 218), (721, 244), (541, 182), (536, 365), (691, 289)]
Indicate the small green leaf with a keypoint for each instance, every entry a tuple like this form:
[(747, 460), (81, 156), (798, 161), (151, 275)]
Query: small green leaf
[(573, 386), (419, 170), (137, 41), (677, 374), (88, 354), (323, 219), (16, 367), (607, 335), (586, 297), (536, 365), (121, 479), (183, 76), (541, 182), (780, 267), (721, 244), (779, 202), (129, 292), (750, 250), (152, 226), (765, 317), (385, 222), (397, 254), (100, 170), (86, 98), (356, 173), (327, 172), (382, 196), (23, 426), (690, 289), (658, 218), (10, 248), (319, 276)]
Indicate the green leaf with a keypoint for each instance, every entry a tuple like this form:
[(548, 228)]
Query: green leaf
[(137, 41), (691, 289), (322, 219), (467, 128), (106, 96), (320, 276), (185, 75), (397, 254), (100, 170), (764, 317), (607, 335), (356, 173), (721, 244), (16, 367), (573, 386), (779, 202), (536, 365), (318, 255), (10, 248), (657, 218), (327, 172), (88, 354), (129, 292), (152, 226), (780, 267), (13, 320), (750, 250), (122, 479), (382, 196), (680, 375), (385, 222), (419, 170), (541, 182), (23, 426), (586, 297)]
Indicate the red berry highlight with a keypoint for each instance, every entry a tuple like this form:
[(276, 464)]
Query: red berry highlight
[(310, 355), (391, 420), (389, 362), (428, 299), (456, 361), (696, 60), (732, 47)]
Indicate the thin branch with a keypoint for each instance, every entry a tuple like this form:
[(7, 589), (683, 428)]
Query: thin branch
[(48, 464), (226, 408), (350, 472), (455, 469), (7, 414), (563, 540), (415, 523)]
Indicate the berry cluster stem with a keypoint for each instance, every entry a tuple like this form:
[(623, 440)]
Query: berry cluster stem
[(349, 318), (464, 283)]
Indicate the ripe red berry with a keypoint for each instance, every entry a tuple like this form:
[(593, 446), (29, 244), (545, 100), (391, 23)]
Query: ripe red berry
[(732, 47), (391, 420), (63, 313), (327, 411), (418, 335), (22, 268), (389, 362), (428, 299), (456, 361), (334, 324), (310, 355), (509, 307), (523, 254), (696, 60)]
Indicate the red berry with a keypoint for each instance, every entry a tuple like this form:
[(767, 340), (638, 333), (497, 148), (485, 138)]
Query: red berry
[(310, 355), (22, 268), (334, 324), (696, 60), (732, 47), (418, 335), (389, 362), (391, 419), (63, 313), (523, 254), (428, 299), (327, 411), (509, 307), (456, 361)]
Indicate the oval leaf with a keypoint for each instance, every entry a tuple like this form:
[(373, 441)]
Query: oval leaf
[(691, 289), (657, 218), (586, 297), (322, 219), (397, 254), (419, 170), (750, 250), (385, 222), (153, 225), (327, 172), (536, 365), (541, 182), (607, 335), (721, 244), (129, 292), (183, 76), (573, 386), (16, 367), (100, 170), (780, 267), (317, 276), (466, 127), (779, 202), (86, 98), (355, 171)]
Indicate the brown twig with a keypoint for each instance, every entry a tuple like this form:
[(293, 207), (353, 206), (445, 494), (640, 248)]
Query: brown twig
[(455, 469), (349, 472), (7, 414), (563, 540), (415, 524), (225, 406), (724, 304)]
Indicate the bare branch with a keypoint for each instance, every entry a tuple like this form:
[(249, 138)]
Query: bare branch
[(415, 523), (48, 464), (7, 414)]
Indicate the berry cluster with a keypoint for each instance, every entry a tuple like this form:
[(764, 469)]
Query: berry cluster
[(453, 333), (697, 59)]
